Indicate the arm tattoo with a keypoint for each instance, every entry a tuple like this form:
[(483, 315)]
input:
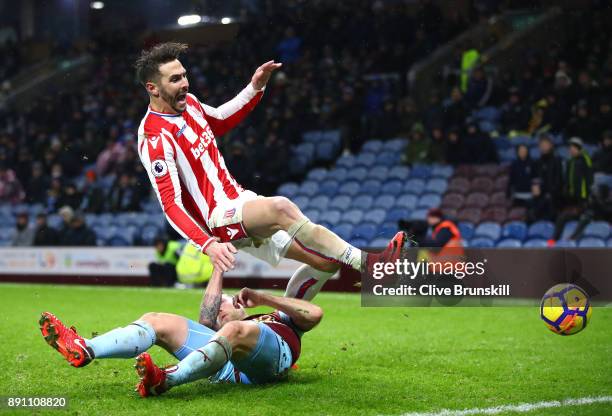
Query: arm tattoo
[(209, 310)]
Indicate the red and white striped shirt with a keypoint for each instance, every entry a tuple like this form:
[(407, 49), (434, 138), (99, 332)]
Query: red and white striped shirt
[(186, 169)]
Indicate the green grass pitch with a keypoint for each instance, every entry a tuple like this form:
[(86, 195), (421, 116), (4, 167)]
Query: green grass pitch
[(359, 361)]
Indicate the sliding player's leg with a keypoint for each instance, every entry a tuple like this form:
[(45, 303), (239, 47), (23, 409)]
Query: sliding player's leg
[(309, 278)]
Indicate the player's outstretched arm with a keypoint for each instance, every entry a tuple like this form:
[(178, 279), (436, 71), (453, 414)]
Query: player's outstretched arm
[(211, 301), (305, 315)]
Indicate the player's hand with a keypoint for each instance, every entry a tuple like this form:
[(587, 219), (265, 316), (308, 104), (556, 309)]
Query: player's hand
[(263, 73), (248, 298), (221, 255)]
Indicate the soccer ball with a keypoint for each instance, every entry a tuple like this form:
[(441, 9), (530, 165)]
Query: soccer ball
[(565, 309)]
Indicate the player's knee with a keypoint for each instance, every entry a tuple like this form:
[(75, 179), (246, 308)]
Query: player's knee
[(286, 211), (155, 320)]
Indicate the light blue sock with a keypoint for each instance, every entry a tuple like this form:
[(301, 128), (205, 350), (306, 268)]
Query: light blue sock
[(126, 342), (201, 363)]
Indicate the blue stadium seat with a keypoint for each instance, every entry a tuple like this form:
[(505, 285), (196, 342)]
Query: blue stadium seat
[(366, 231), (55, 221), (331, 216), (563, 152), (363, 202), (392, 187), (568, 230), (344, 230), (359, 242), (509, 243), (352, 216), (541, 229), (370, 187), (326, 151), (375, 215), (466, 229), (407, 201), (515, 229), (609, 244), (507, 155), (396, 214), (358, 174), (566, 244), (388, 158), (320, 202), (379, 242), (487, 229), (429, 201), (313, 214), (414, 186), (337, 174), (436, 185), (117, 241), (302, 201), (329, 187), (481, 242), (309, 188), (591, 242), (387, 229), (346, 161), (395, 145), (365, 159), (420, 171), (603, 179), (418, 214), (384, 201), (535, 243), (373, 146), (399, 172), (598, 229), (317, 174), (379, 172), (340, 202), (349, 188), (442, 171), (288, 189)]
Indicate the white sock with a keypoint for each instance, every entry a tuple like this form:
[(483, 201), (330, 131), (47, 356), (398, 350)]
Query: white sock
[(306, 282)]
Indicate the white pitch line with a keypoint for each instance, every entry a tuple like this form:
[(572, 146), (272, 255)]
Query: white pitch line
[(519, 408)]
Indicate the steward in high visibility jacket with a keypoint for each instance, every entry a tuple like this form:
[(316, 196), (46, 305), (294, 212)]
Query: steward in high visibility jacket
[(445, 239)]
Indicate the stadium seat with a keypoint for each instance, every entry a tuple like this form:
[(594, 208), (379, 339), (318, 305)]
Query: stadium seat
[(509, 243), (406, 201), (288, 189), (392, 187), (343, 230), (313, 214), (340, 202), (609, 243), (349, 188), (399, 172), (499, 199), (517, 214), (320, 202), (441, 171), (591, 242), (309, 188), (568, 230), (395, 214), (535, 243), (330, 216), (477, 200), (370, 187), (420, 171), (418, 215), (481, 242), (481, 184), (317, 174), (365, 159), (337, 174), (366, 231), (329, 187), (494, 214), (488, 229), (376, 216), (326, 151), (379, 242), (429, 201), (436, 185), (541, 229), (346, 161), (387, 158), (452, 200), (469, 215), (373, 146), (359, 242), (379, 172), (117, 241), (148, 233), (302, 201), (414, 186), (566, 244), (55, 221), (602, 179), (387, 230), (500, 184), (358, 174), (395, 145), (362, 202), (384, 201), (449, 212), (598, 229), (515, 230), (459, 185), (352, 216)]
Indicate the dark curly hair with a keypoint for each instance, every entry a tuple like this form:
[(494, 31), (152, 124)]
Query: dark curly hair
[(147, 64)]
